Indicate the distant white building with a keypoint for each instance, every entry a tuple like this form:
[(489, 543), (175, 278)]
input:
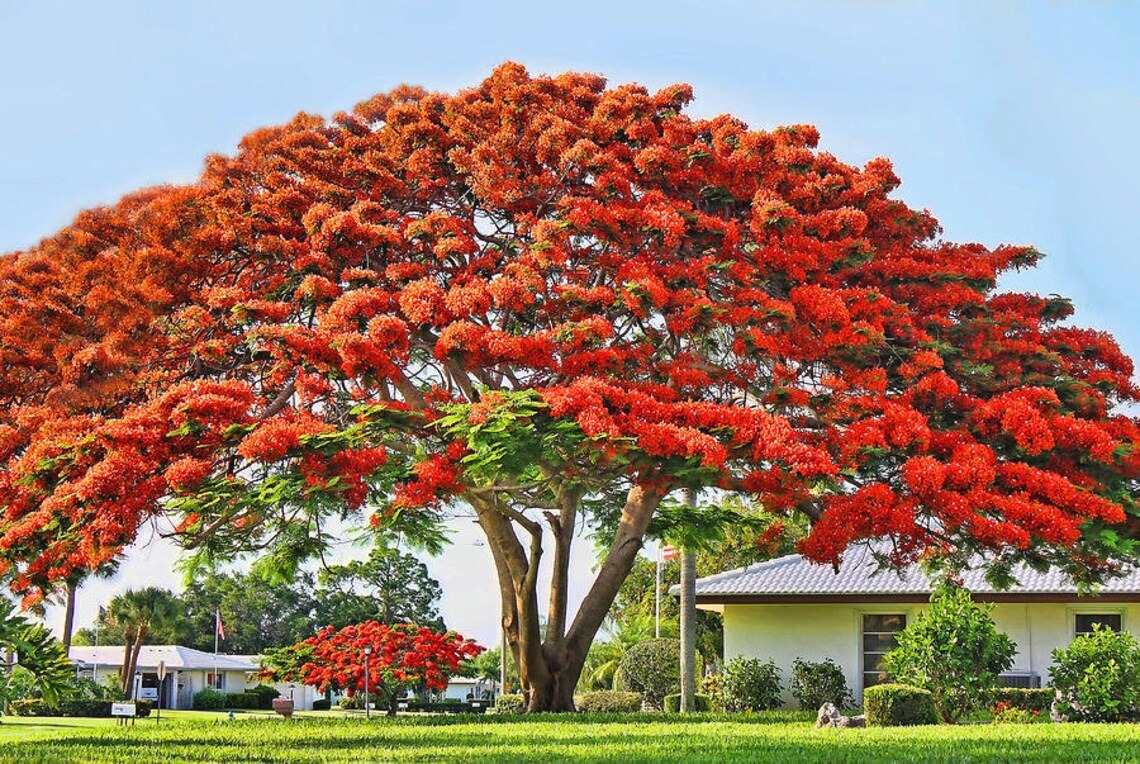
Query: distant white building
[(187, 671), (790, 608)]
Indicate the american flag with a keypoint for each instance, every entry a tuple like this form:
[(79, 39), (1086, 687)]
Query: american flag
[(219, 627), (670, 552)]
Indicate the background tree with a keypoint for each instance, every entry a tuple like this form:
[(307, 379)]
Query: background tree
[(390, 587), (258, 611), (557, 303)]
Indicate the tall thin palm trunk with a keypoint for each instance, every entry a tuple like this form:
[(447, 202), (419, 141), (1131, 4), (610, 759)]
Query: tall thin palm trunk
[(688, 622), (140, 635), (69, 616)]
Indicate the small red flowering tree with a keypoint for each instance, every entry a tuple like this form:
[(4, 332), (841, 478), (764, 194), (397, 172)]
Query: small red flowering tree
[(403, 657), (556, 304)]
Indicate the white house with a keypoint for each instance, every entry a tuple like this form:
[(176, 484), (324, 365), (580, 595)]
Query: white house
[(188, 671), (789, 608)]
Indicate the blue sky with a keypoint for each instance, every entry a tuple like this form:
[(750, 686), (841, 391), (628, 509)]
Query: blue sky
[(1011, 122)]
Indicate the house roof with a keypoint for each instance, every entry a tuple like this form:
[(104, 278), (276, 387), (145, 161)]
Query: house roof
[(176, 657), (793, 578)]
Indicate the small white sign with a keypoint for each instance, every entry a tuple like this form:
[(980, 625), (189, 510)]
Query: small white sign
[(122, 709)]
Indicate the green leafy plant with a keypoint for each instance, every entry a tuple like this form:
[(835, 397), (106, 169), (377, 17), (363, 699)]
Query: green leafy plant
[(1097, 677), (751, 685), (652, 668), (39, 666), (898, 705), (817, 682), (712, 687), (1004, 714), (954, 650)]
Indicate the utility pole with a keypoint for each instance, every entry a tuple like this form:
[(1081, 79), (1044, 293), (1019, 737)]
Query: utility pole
[(689, 621)]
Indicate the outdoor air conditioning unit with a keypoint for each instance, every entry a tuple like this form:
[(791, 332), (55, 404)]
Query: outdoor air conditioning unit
[(1022, 679)]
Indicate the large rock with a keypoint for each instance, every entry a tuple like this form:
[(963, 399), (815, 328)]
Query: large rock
[(830, 716)]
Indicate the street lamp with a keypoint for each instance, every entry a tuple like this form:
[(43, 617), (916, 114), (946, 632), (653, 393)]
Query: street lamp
[(367, 704)]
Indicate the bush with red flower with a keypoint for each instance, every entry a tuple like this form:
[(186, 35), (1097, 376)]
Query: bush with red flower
[(404, 656)]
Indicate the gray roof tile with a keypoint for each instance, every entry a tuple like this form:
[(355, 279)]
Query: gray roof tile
[(858, 574)]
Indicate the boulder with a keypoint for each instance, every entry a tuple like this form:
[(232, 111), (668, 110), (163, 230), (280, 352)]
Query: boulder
[(830, 716)]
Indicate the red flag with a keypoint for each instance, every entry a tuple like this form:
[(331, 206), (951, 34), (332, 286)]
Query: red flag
[(221, 630), (670, 552)]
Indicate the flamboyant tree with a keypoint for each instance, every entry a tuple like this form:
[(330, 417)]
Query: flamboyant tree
[(403, 657), (557, 304)]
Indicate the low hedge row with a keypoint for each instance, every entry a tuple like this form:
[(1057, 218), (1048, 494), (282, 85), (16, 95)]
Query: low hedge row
[(898, 705), (673, 703), (322, 704), (92, 709), (608, 702), (454, 707)]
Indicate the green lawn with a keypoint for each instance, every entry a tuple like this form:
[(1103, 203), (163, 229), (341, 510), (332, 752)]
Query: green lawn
[(632, 738)]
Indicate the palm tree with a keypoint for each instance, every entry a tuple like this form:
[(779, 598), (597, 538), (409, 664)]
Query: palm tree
[(135, 614)]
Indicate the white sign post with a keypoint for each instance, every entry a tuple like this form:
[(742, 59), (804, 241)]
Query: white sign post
[(123, 712), (161, 687)]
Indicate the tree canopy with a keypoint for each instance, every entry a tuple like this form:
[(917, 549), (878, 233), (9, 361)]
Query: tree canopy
[(556, 302)]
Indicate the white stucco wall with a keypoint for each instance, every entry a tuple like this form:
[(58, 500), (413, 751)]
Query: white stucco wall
[(815, 632)]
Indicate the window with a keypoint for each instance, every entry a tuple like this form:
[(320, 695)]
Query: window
[(1085, 622), (879, 632), (216, 681)]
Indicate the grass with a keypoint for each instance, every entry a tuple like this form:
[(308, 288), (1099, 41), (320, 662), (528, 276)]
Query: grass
[(626, 738)]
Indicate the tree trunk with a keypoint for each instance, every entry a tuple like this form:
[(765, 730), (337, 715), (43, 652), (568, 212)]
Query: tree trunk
[(688, 631), (69, 617), (549, 670), (140, 635), (689, 622), (128, 643)]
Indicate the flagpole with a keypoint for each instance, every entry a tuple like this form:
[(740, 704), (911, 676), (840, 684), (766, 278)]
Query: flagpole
[(657, 628), (95, 667), (217, 621)]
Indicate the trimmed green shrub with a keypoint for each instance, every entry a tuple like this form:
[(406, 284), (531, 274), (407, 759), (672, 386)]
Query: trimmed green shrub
[(322, 704), (653, 668), (1097, 677), (608, 702), (751, 685), (208, 700), (1037, 699), (815, 683), (510, 704), (265, 694), (248, 701), (898, 705), (673, 703), (954, 650)]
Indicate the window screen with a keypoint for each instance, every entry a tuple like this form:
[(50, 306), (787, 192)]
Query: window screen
[(879, 632)]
